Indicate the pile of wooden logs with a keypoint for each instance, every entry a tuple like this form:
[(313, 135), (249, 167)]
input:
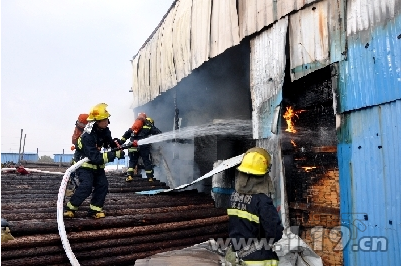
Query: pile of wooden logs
[(136, 226)]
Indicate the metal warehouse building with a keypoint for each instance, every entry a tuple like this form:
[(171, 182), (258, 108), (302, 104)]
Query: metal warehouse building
[(333, 65)]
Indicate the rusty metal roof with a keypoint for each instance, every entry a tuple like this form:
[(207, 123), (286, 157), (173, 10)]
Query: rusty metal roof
[(136, 226)]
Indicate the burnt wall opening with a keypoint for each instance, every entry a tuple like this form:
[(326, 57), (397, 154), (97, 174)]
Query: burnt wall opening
[(309, 148), (218, 90)]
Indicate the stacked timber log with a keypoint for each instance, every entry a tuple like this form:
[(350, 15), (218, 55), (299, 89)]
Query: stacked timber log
[(136, 226)]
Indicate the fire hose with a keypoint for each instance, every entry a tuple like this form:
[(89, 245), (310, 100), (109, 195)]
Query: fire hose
[(60, 206)]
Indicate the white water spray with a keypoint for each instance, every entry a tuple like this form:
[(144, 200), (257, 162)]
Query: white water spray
[(234, 127)]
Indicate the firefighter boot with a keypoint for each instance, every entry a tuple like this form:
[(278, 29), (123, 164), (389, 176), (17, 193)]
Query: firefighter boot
[(129, 178), (69, 211), (151, 179), (95, 212)]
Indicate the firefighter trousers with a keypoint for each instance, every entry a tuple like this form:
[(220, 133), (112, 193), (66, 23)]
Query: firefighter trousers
[(89, 179), (145, 153)]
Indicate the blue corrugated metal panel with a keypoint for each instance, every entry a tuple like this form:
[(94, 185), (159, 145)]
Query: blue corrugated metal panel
[(372, 73), (369, 156), (13, 157), (64, 158)]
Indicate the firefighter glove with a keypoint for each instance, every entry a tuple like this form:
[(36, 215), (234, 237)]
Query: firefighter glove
[(135, 143), (120, 154)]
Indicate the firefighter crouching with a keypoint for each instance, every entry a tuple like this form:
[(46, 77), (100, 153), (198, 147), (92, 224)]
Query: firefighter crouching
[(92, 173), (252, 216), (142, 128)]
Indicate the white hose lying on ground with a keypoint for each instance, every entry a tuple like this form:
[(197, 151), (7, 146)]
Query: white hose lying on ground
[(60, 206), (33, 171)]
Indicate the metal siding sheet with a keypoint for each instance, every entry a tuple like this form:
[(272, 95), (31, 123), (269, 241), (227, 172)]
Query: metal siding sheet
[(13, 157), (143, 74), (154, 65), (212, 32), (336, 30), (267, 63), (364, 14), (301, 3), (369, 155), (141, 79), (256, 14), (135, 87), (372, 73), (265, 13), (308, 38), (168, 74), (65, 158), (224, 27), (33, 157), (181, 39), (284, 7), (247, 11), (200, 32)]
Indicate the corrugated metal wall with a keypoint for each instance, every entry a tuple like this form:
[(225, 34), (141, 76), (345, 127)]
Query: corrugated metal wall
[(194, 31), (316, 37), (13, 157), (369, 158), (369, 133), (371, 75), (64, 158), (267, 74)]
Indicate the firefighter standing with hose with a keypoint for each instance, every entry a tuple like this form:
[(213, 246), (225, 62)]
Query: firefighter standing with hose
[(142, 128), (252, 215), (92, 173)]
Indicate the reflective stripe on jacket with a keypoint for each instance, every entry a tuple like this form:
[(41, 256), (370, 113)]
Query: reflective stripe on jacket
[(89, 146), (253, 216)]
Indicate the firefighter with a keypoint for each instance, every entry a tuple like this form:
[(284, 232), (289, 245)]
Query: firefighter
[(142, 128), (92, 173), (254, 223)]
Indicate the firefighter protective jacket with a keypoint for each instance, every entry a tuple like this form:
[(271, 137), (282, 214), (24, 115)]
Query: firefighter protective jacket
[(253, 217), (89, 145), (147, 130)]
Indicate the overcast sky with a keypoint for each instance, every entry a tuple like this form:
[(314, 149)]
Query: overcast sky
[(59, 58)]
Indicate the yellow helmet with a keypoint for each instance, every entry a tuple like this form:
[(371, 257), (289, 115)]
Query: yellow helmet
[(150, 120), (98, 112), (256, 161)]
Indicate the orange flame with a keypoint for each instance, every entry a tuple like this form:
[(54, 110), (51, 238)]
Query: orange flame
[(308, 168), (293, 143), (289, 115)]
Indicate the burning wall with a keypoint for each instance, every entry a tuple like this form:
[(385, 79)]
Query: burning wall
[(311, 166)]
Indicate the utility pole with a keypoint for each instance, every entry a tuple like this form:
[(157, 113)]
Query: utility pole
[(19, 151), (23, 148)]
